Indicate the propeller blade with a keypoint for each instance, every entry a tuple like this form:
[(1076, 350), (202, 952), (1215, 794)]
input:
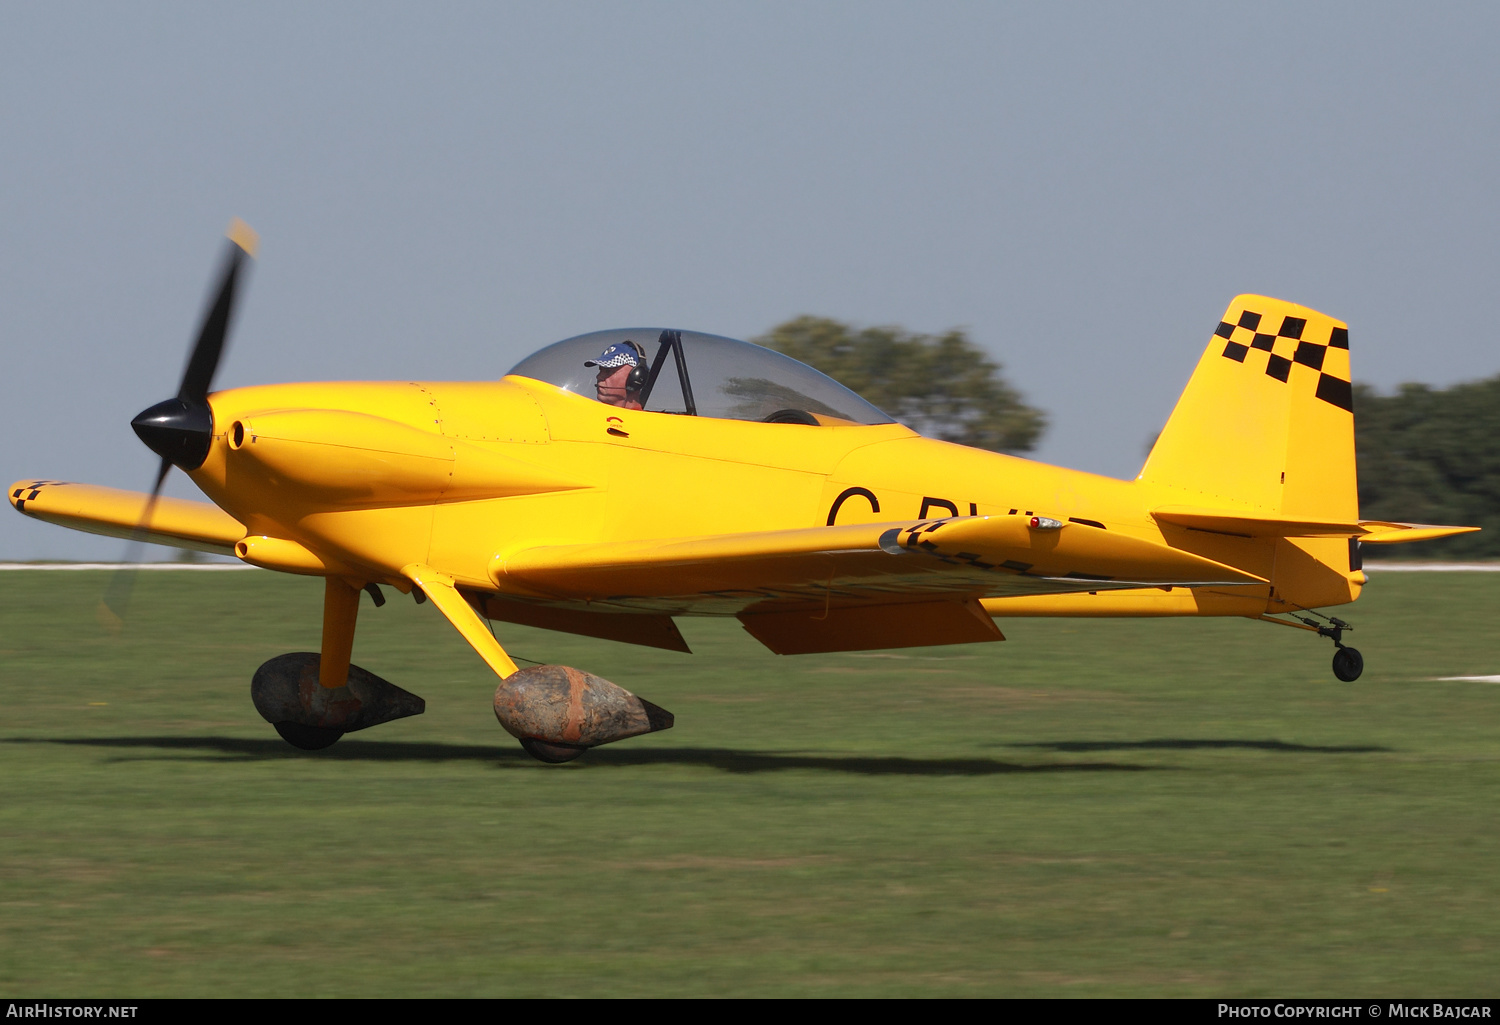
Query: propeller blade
[(117, 595), (209, 347), (180, 430)]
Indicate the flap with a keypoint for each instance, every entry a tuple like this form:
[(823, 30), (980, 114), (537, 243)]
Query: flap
[(653, 631), (178, 522), (805, 631), (855, 564)]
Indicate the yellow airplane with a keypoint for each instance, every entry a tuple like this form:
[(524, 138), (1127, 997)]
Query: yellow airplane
[(615, 480)]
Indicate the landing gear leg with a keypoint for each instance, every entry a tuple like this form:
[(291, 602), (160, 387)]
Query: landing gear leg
[(314, 698), (556, 712)]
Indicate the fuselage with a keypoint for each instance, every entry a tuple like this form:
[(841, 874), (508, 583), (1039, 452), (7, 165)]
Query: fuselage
[(369, 477)]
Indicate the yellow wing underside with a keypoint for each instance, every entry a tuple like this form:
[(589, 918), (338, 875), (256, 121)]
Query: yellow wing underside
[(864, 564)]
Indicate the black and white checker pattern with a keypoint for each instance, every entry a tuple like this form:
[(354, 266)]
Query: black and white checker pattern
[(1242, 338)]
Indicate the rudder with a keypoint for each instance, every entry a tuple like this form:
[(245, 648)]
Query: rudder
[(1266, 421)]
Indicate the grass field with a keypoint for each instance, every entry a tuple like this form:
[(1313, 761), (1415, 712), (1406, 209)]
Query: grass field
[(1091, 808)]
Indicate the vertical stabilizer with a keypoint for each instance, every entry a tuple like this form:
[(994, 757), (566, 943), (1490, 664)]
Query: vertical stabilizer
[(1266, 423)]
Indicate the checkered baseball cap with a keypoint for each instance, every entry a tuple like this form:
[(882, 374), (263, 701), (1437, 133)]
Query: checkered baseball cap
[(616, 356)]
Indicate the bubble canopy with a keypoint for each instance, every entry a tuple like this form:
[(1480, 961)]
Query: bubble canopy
[(706, 375)]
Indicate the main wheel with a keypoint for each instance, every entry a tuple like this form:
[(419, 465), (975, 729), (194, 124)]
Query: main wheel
[(308, 738), (1348, 663), (552, 754)]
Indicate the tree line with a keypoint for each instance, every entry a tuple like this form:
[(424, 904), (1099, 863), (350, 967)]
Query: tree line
[(1432, 455), (1425, 455), (943, 386)]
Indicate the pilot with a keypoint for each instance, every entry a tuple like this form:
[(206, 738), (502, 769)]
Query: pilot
[(622, 374)]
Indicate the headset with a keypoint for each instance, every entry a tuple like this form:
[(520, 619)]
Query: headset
[(635, 381)]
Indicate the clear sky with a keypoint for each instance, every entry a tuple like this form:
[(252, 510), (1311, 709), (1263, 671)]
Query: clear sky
[(442, 188)]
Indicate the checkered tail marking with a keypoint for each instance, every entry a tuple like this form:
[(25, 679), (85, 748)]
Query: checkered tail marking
[(1253, 335)]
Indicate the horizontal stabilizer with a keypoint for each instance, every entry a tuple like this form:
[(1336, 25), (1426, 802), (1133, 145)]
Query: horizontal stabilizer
[(115, 513), (1381, 533), (1220, 521)]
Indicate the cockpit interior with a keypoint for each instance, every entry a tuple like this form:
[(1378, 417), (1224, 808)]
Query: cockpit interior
[(694, 374)]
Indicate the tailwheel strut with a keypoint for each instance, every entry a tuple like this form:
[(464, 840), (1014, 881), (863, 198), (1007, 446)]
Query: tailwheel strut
[(1348, 663)]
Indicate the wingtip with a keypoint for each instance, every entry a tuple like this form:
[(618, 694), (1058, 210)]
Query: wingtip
[(244, 236)]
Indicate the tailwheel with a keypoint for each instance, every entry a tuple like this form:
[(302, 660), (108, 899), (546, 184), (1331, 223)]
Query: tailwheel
[(308, 738), (1348, 663)]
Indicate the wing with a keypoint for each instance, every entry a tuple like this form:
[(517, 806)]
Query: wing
[(115, 513), (961, 558)]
